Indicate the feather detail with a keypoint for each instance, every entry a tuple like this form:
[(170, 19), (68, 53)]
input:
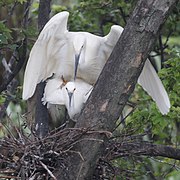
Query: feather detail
[(151, 83)]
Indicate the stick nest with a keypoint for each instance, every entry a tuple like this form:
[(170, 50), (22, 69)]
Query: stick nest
[(32, 158)]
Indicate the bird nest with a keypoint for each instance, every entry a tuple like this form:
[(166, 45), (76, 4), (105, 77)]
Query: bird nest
[(34, 158)]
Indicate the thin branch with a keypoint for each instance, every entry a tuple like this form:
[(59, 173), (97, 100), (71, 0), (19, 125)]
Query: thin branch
[(161, 48), (123, 15), (47, 169), (11, 89), (22, 56), (123, 149)]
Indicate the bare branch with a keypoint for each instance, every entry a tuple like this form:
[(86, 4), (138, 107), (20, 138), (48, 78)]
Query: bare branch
[(122, 149), (22, 55)]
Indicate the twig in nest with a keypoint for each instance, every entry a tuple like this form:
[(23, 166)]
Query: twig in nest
[(49, 172)]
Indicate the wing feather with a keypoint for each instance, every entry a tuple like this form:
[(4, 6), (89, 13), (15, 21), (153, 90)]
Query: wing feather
[(151, 83), (113, 35), (41, 53)]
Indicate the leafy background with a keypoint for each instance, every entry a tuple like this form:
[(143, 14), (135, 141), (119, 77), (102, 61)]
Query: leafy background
[(97, 16)]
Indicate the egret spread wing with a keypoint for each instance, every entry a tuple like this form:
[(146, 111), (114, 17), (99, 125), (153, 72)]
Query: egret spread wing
[(40, 64), (114, 34), (151, 83)]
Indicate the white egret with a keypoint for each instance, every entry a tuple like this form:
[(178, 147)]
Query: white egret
[(82, 55), (71, 94), (59, 51)]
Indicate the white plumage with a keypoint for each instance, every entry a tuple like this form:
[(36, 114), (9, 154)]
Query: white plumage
[(80, 55), (56, 49), (151, 83), (72, 94)]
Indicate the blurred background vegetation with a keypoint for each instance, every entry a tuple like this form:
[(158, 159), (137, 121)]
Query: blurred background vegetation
[(97, 16)]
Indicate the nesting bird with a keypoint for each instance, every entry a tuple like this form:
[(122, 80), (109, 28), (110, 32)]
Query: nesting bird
[(79, 57), (71, 94), (68, 54)]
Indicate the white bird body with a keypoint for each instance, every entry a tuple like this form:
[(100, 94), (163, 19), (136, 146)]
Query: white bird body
[(94, 52), (56, 93), (57, 50), (92, 58)]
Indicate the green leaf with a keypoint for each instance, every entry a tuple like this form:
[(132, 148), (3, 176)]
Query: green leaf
[(3, 39), (5, 33), (22, 1)]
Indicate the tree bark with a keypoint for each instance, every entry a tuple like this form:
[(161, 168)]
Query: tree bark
[(115, 84), (44, 11)]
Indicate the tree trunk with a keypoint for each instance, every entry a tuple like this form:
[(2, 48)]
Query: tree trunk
[(41, 112), (114, 86)]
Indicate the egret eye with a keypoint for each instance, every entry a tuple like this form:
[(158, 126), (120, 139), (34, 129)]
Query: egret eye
[(66, 89), (74, 89)]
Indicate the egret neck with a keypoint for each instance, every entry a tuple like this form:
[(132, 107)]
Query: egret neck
[(78, 44)]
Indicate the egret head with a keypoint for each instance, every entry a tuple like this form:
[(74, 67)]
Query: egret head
[(78, 44), (70, 88)]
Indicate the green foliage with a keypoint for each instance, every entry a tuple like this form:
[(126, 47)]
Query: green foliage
[(34, 8), (161, 129), (58, 8), (147, 113), (21, 1), (10, 2), (97, 17), (2, 99), (173, 23), (173, 175), (6, 38), (6, 2), (5, 34)]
